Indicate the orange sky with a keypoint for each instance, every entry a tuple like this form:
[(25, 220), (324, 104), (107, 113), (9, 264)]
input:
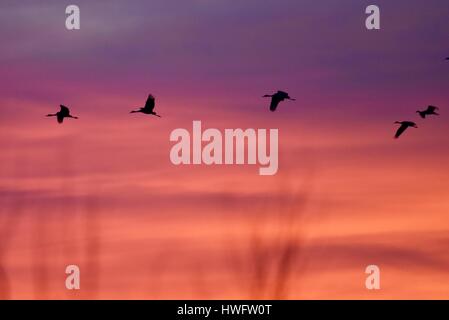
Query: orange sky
[(154, 230)]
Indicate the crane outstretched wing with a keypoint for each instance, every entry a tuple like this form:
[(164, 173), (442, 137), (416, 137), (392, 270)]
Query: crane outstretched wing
[(150, 103), (64, 110), (400, 130), (274, 103), (282, 94), (431, 108)]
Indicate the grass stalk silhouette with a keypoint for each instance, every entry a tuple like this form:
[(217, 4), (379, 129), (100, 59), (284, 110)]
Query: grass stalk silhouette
[(273, 253), (11, 217), (93, 246)]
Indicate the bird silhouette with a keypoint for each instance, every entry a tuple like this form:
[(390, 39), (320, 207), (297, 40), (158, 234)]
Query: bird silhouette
[(430, 110), (61, 114), (148, 108), (403, 127), (276, 98)]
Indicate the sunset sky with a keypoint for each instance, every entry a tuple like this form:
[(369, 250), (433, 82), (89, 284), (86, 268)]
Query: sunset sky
[(100, 192)]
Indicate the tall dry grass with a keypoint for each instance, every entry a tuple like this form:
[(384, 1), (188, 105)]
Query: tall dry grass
[(272, 261), (11, 216)]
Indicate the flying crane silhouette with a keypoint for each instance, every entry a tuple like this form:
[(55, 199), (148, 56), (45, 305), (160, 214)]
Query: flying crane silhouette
[(61, 114), (276, 98), (430, 110), (403, 127), (148, 108)]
